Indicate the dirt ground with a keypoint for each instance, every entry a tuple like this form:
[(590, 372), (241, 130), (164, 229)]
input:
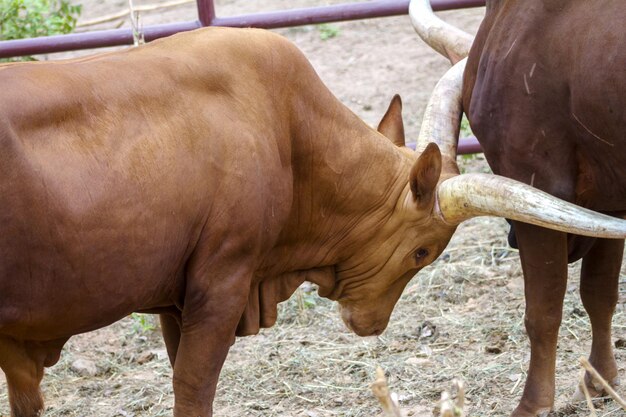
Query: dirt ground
[(462, 317)]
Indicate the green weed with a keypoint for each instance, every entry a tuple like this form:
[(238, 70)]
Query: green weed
[(32, 18), (143, 322), (327, 31)]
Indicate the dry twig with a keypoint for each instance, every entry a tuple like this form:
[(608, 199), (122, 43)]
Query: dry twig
[(453, 407), (585, 363), (583, 388), (388, 400), (123, 13), (138, 36), (447, 405)]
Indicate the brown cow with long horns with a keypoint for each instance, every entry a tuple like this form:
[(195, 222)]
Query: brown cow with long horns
[(544, 90), (157, 180)]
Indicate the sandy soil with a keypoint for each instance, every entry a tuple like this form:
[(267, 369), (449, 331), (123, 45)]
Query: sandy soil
[(460, 318)]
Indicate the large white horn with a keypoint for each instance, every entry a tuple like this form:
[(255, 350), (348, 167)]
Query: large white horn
[(442, 117), (449, 41), (470, 195)]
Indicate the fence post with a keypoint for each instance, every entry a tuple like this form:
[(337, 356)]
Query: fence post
[(206, 12)]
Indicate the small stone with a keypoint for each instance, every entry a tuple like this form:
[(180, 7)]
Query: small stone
[(419, 410), (159, 353), (417, 361), (496, 341), (84, 367), (425, 351), (495, 349), (427, 330), (145, 357), (514, 377)]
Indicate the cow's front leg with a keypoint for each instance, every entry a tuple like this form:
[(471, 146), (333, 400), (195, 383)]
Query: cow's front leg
[(544, 261), (214, 303), (599, 292)]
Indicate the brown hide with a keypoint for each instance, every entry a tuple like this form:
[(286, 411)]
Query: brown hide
[(547, 101), (545, 94), (204, 177)]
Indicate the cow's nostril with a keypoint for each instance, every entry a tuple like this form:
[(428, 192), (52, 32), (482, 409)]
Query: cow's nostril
[(378, 331)]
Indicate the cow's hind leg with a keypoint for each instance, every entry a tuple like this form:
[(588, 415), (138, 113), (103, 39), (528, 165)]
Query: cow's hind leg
[(170, 327), (544, 260), (23, 363), (599, 292), (23, 375)]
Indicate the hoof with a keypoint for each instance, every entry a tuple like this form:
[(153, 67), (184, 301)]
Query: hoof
[(539, 414), (579, 395), (524, 412), (595, 390)]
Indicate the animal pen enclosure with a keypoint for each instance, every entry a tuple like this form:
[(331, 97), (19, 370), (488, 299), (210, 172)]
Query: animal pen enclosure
[(460, 317)]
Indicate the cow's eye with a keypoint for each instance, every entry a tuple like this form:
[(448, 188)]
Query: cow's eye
[(420, 254)]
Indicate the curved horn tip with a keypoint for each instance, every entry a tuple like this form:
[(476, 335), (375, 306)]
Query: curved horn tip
[(449, 41), (471, 195)]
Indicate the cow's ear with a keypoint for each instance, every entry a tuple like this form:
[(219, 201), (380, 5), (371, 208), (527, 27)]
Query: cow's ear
[(391, 124), (425, 175)]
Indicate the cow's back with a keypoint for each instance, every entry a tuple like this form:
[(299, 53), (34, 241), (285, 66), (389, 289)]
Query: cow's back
[(112, 167), (545, 94)]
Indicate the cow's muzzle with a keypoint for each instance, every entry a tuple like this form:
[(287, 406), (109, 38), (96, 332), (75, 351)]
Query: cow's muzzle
[(363, 326)]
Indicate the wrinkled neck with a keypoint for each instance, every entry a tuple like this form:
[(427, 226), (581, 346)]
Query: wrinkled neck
[(347, 178)]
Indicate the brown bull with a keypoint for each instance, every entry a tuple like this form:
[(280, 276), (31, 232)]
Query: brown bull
[(545, 93), (205, 190)]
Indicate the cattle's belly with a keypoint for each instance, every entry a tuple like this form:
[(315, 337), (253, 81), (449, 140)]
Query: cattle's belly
[(51, 297)]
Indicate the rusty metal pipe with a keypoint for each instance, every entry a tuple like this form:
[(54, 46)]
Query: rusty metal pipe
[(336, 13), (466, 146), (88, 40), (206, 10)]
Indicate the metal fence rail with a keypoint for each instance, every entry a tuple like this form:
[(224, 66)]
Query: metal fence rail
[(208, 17)]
